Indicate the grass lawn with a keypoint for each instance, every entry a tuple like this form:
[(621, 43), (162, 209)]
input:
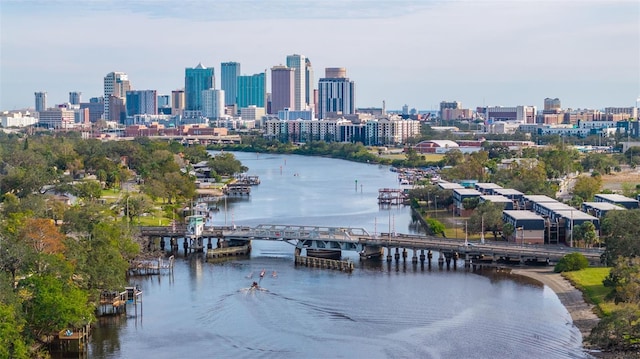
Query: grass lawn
[(589, 281)]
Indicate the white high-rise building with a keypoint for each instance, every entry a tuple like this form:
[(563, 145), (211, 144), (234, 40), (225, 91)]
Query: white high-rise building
[(115, 84), (298, 64), (213, 103)]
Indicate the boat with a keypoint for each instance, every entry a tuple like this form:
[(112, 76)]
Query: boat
[(324, 253)]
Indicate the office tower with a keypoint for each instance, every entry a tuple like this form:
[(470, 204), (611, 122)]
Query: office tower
[(252, 90), (213, 103), (298, 63), (95, 107), (142, 102), (41, 101), (177, 102), (551, 106), (308, 78), (229, 72), (116, 84), (282, 88), (74, 97), (336, 94), (196, 80)]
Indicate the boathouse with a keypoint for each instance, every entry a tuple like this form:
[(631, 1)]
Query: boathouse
[(486, 188), (600, 209), (626, 202), (506, 202), (529, 227), (459, 195)]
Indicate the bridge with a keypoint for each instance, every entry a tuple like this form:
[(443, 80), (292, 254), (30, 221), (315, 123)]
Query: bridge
[(335, 239)]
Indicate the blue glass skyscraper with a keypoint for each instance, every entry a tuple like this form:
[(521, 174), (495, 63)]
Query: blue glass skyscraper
[(196, 80), (252, 90), (229, 81)]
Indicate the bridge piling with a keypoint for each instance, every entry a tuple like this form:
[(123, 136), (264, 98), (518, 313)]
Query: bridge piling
[(441, 261), (161, 243), (388, 254), (397, 254), (404, 255), (414, 259)]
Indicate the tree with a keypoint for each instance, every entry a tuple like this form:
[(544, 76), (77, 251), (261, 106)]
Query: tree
[(88, 190), (489, 214), (51, 303), (586, 187), (620, 232), (226, 164), (624, 279), (619, 330), (585, 232), (43, 236), (571, 262), (435, 227), (12, 344)]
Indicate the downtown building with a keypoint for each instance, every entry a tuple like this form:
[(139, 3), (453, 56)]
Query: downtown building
[(213, 104), (282, 89), (196, 80), (303, 81), (40, 101), (229, 72), (116, 85), (252, 90), (141, 102), (336, 94), (376, 132)]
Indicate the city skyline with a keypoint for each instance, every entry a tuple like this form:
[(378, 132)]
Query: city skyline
[(403, 52)]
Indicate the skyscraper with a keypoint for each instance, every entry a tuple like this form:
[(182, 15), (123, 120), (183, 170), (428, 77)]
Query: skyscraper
[(308, 78), (252, 90), (142, 102), (75, 97), (115, 84), (282, 88), (335, 94), (213, 103), (298, 64), (196, 80), (177, 102), (229, 72), (41, 101)]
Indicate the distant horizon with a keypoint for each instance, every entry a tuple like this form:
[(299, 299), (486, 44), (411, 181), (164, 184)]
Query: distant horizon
[(418, 53)]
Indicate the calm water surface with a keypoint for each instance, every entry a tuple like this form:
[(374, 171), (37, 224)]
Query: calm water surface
[(378, 311)]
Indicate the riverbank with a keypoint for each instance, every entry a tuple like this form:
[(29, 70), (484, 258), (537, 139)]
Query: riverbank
[(582, 313)]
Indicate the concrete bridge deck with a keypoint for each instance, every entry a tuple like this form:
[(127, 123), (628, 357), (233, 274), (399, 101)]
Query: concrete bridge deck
[(359, 240)]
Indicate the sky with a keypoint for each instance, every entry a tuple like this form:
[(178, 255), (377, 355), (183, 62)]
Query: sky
[(418, 53)]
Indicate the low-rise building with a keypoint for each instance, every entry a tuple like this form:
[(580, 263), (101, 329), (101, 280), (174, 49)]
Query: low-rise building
[(529, 227), (626, 202)]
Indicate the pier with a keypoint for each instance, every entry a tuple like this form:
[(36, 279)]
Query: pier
[(391, 196)]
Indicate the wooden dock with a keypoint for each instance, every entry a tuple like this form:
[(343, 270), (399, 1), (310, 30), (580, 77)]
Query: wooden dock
[(229, 251), (150, 267), (73, 340), (316, 262)]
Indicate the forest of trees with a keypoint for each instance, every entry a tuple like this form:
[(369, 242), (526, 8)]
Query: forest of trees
[(56, 258)]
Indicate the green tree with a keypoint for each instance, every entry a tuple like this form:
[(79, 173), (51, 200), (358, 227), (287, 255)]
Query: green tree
[(51, 303), (435, 227), (488, 214), (226, 164), (88, 190), (624, 279), (620, 232), (618, 331), (12, 343), (571, 262), (586, 187)]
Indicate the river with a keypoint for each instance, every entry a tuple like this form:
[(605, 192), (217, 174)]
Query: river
[(203, 309)]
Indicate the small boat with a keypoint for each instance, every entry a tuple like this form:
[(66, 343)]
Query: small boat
[(262, 274), (274, 274)]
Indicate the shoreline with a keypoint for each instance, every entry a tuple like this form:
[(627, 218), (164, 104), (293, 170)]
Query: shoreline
[(582, 313)]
